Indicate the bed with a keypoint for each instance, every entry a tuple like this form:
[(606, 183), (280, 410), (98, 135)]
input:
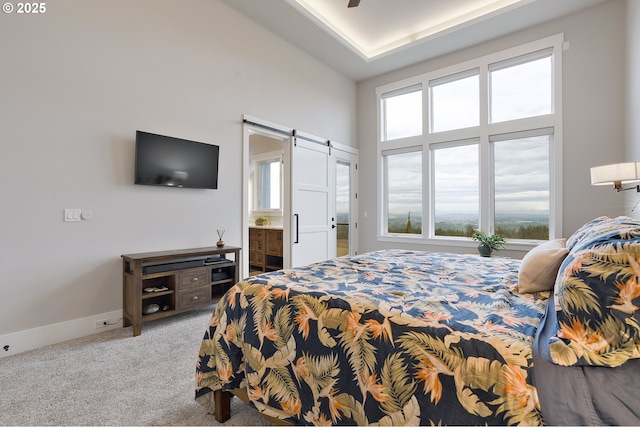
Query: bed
[(408, 337)]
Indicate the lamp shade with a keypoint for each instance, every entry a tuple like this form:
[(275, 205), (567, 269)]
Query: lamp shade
[(619, 173)]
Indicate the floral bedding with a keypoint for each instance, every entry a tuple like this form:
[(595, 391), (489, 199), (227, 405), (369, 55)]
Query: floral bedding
[(597, 296), (389, 337)]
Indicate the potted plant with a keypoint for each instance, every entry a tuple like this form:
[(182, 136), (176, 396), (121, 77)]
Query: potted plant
[(262, 220), (488, 243)]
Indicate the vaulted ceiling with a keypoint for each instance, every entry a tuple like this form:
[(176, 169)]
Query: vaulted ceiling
[(378, 36)]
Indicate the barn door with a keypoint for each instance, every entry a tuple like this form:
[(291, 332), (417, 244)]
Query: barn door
[(313, 221)]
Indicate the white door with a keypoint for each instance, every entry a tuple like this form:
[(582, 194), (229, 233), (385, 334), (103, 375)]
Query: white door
[(312, 203)]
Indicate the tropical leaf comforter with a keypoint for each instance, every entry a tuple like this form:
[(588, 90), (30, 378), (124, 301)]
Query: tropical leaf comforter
[(388, 337)]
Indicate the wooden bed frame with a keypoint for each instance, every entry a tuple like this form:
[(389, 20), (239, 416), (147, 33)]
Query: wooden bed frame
[(222, 401)]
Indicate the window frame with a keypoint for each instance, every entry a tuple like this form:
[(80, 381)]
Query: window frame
[(256, 161), (443, 80), (432, 206), (484, 133), (405, 90), (385, 155)]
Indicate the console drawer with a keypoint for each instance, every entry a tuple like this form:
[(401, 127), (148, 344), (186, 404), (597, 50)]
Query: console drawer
[(192, 278), (194, 298)]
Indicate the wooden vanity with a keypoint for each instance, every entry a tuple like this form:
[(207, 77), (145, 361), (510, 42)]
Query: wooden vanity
[(265, 248)]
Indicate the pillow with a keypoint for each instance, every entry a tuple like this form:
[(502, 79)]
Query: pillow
[(597, 294), (539, 267)]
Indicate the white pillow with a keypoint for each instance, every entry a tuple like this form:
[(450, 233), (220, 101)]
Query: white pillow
[(539, 267)]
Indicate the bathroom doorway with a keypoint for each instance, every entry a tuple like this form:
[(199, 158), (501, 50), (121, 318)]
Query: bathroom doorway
[(300, 198)]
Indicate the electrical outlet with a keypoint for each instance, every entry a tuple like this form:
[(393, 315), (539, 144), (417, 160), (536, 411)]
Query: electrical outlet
[(102, 323)]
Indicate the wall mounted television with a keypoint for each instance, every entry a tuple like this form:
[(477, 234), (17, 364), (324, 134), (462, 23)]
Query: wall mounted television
[(174, 162)]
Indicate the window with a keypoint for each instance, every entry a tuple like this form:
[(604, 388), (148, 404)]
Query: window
[(456, 197), (266, 184), (455, 104), (474, 146), (403, 172), (269, 184), (402, 113), (521, 90), (522, 187)]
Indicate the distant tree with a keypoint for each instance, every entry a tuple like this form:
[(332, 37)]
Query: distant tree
[(462, 231), (407, 226), (469, 230), (530, 232)]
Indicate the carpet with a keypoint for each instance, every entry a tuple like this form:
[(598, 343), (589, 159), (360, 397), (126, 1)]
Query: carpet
[(113, 378)]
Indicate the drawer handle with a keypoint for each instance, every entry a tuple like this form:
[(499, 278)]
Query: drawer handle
[(195, 298), (195, 279)]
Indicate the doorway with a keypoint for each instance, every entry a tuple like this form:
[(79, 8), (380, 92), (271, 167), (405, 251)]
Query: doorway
[(265, 202), (346, 204), (306, 188)]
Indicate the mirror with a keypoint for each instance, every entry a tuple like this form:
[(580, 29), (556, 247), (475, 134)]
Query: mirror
[(268, 184), (266, 177)]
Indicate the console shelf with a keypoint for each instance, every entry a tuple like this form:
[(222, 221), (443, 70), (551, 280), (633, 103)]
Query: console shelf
[(175, 281)]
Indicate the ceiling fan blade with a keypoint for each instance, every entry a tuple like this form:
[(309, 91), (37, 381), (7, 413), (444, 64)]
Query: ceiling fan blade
[(353, 3)]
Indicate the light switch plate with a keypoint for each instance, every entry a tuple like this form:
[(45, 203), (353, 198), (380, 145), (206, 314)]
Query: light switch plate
[(72, 215)]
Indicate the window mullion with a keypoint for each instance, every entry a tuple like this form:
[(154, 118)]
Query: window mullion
[(486, 169), (428, 193), (427, 160), (385, 196), (487, 196), (530, 123)]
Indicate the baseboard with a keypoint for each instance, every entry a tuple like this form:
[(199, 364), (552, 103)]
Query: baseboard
[(30, 339)]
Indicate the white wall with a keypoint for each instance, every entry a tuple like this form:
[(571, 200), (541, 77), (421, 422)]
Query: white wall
[(75, 84), (632, 147), (593, 114)]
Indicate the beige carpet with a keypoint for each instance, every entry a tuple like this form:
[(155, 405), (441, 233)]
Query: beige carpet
[(113, 378)]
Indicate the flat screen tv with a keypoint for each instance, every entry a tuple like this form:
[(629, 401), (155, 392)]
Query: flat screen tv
[(174, 162)]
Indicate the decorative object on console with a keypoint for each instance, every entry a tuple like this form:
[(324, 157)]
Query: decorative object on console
[(617, 175), (151, 308), (262, 220), (488, 243), (156, 289), (220, 241)]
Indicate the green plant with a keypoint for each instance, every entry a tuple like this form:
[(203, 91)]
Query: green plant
[(495, 242), (262, 220)]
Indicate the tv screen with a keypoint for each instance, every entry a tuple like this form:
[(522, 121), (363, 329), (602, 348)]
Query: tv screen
[(174, 162)]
